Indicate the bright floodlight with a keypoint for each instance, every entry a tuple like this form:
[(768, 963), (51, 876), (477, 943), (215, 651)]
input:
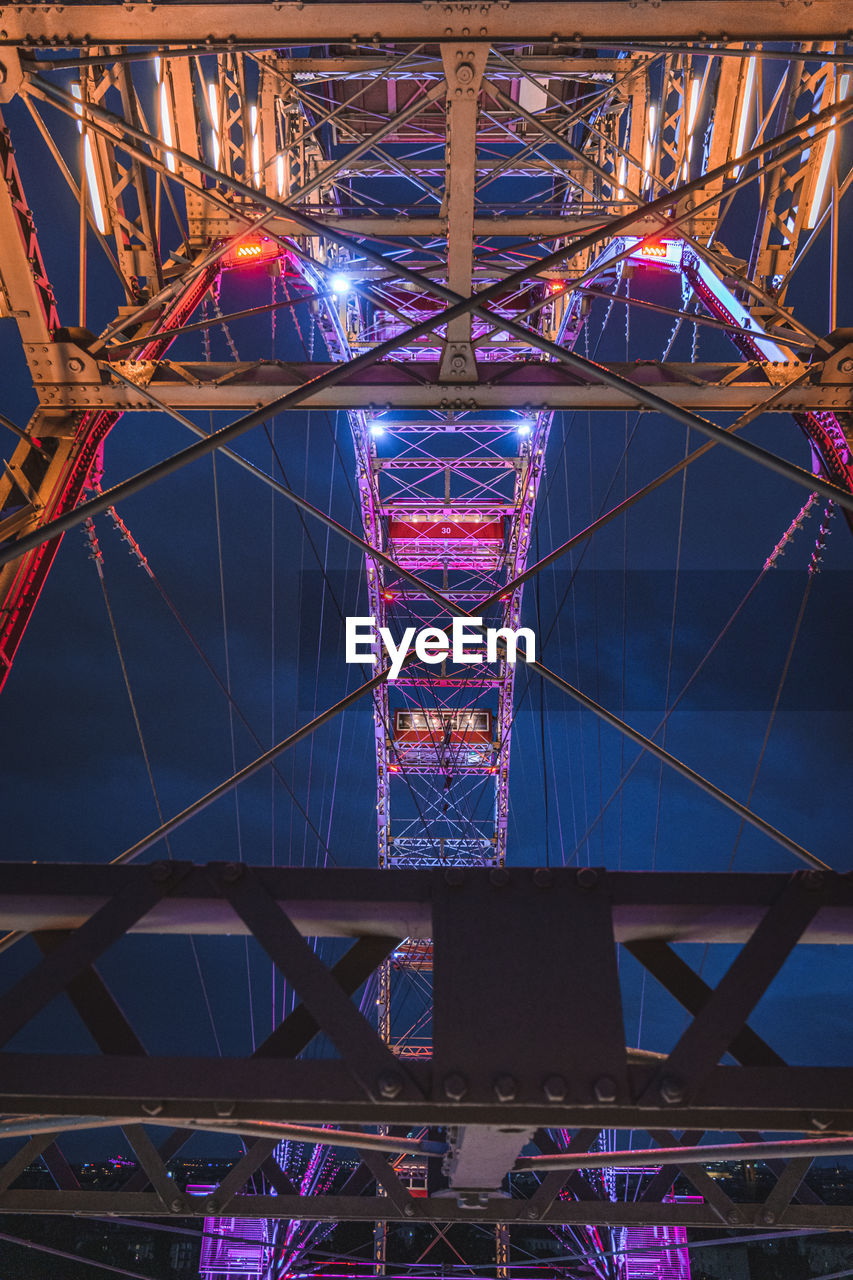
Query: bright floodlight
[(339, 283), (376, 429), (525, 427)]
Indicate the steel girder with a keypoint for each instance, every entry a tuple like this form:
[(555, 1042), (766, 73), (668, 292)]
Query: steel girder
[(275, 153), (613, 21), (722, 387), (513, 1045)]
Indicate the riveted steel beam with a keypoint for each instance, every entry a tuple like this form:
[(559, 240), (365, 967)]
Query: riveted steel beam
[(612, 22)]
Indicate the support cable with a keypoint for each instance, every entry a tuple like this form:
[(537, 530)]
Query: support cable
[(795, 524), (96, 555)]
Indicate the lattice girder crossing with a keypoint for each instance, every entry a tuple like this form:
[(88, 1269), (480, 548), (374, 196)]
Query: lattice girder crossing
[(383, 177)]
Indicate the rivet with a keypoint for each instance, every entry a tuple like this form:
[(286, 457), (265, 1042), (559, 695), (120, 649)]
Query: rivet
[(605, 1089), (390, 1085), (555, 1088), (499, 876), (543, 877), (232, 871), (587, 877), (506, 1088), (671, 1090), (455, 1086)]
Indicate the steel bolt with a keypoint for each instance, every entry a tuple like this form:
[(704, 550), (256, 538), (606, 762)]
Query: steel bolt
[(176, 1205), (846, 366), (733, 1217), (465, 73), (211, 1205), (454, 876), (506, 1088), (767, 1216), (543, 877), (75, 364), (555, 1088), (232, 871), (499, 876), (455, 1086), (390, 1084), (408, 1210), (605, 1089), (671, 1090), (531, 1212), (587, 877)]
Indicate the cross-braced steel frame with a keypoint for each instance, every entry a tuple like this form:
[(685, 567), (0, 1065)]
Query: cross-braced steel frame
[(443, 197)]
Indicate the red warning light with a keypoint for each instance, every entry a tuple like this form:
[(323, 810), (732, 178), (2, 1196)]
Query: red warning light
[(665, 252), (652, 251), (557, 285), (251, 251)]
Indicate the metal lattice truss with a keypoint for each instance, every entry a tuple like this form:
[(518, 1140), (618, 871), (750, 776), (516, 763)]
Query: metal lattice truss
[(504, 1069), (443, 198)]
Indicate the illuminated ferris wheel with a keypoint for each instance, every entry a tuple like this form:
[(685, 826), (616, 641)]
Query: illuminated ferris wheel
[(475, 249)]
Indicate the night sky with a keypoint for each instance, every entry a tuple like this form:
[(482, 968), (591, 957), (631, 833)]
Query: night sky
[(627, 621)]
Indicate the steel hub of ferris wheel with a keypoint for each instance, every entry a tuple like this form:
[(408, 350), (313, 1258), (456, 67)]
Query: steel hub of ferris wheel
[(498, 238)]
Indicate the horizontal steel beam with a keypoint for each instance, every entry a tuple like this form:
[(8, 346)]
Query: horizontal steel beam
[(678, 906), (287, 1091), (512, 1046), (529, 227), (369, 1208), (722, 387), (557, 67), (608, 22)]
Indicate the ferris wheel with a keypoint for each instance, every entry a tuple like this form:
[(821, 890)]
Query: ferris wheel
[(496, 313)]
